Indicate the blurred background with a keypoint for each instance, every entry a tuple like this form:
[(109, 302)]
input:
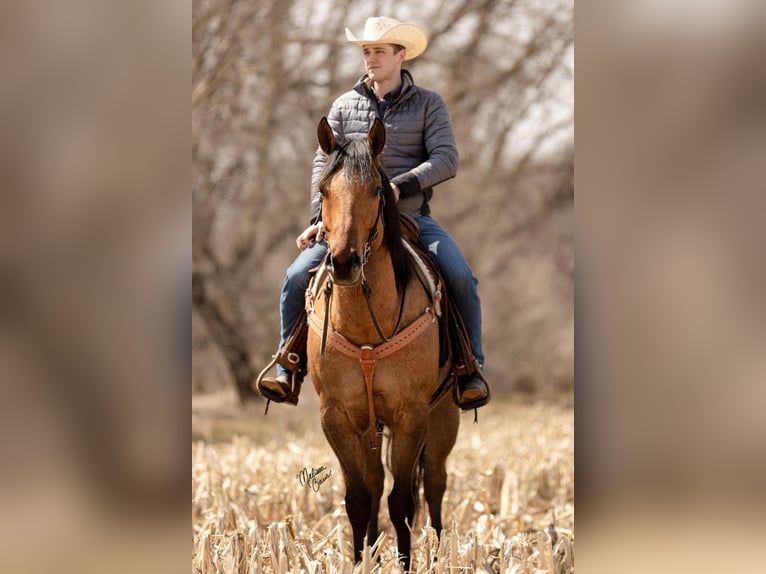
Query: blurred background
[(264, 73), (95, 298), (671, 276)]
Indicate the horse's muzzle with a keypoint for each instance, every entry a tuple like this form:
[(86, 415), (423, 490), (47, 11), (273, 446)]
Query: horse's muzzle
[(345, 269)]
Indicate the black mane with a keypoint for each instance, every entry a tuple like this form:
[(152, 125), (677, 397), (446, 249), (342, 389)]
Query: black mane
[(354, 158)]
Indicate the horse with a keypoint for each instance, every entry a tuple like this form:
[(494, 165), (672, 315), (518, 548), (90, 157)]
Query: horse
[(373, 348)]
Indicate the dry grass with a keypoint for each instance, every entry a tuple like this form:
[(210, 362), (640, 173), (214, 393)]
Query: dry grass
[(509, 506)]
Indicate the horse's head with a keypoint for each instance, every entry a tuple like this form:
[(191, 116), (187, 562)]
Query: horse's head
[(352, 191)]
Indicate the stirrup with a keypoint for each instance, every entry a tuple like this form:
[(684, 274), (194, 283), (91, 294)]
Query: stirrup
[(471, 404), (291, 389)]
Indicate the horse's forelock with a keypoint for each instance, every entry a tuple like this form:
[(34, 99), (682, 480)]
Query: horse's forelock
[(354, 158)]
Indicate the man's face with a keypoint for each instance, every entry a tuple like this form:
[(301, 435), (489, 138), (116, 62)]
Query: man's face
[(380, 62)]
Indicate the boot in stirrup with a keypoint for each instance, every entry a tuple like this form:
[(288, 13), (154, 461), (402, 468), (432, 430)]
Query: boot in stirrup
[(282, 388), (471, 391)]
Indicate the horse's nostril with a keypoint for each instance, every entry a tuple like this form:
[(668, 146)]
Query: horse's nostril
[(345, 267)]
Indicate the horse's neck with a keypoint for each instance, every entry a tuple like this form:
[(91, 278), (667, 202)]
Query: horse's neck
[(349, 313)]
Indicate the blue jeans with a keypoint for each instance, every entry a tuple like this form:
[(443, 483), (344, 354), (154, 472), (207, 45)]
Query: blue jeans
[(460, 282), (292, 300), (459, 279)]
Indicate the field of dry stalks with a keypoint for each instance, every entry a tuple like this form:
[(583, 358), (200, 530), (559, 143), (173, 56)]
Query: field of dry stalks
[(509, 505)]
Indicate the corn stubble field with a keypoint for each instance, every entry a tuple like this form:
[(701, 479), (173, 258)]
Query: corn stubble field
[(509, 505)]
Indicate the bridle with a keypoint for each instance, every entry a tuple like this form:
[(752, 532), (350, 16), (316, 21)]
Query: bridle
[(372, 236), (366, 289)]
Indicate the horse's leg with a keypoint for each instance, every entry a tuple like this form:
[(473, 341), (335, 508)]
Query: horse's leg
[(440, 438), (408, 436), (348, 447), (366, 488), (374, 476), (359, 508)]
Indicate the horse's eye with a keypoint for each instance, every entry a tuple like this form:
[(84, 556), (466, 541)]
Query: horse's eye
[(379, 190)]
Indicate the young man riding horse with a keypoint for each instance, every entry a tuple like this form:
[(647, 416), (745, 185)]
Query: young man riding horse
[(420, 152)]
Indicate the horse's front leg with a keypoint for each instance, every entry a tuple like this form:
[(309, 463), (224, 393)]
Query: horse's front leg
[(359, 508), (362, 472), (440, 439), (407, 441), (374, 477)]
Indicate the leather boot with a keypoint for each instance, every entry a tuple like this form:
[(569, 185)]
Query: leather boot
[(471, 392), (282, 388)]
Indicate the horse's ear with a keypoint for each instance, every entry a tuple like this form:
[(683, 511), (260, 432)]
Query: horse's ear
[(325, 136), (376, 137)]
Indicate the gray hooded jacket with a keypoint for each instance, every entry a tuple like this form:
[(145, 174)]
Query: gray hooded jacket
[(420, 149)]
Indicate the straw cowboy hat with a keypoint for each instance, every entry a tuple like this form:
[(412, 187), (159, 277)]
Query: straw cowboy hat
[(382, 30)]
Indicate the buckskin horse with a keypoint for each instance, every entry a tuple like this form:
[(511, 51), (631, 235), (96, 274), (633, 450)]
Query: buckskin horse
[(373, 348)]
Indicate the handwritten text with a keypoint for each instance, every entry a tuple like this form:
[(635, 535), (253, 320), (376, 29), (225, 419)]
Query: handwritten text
[(312, 477)]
